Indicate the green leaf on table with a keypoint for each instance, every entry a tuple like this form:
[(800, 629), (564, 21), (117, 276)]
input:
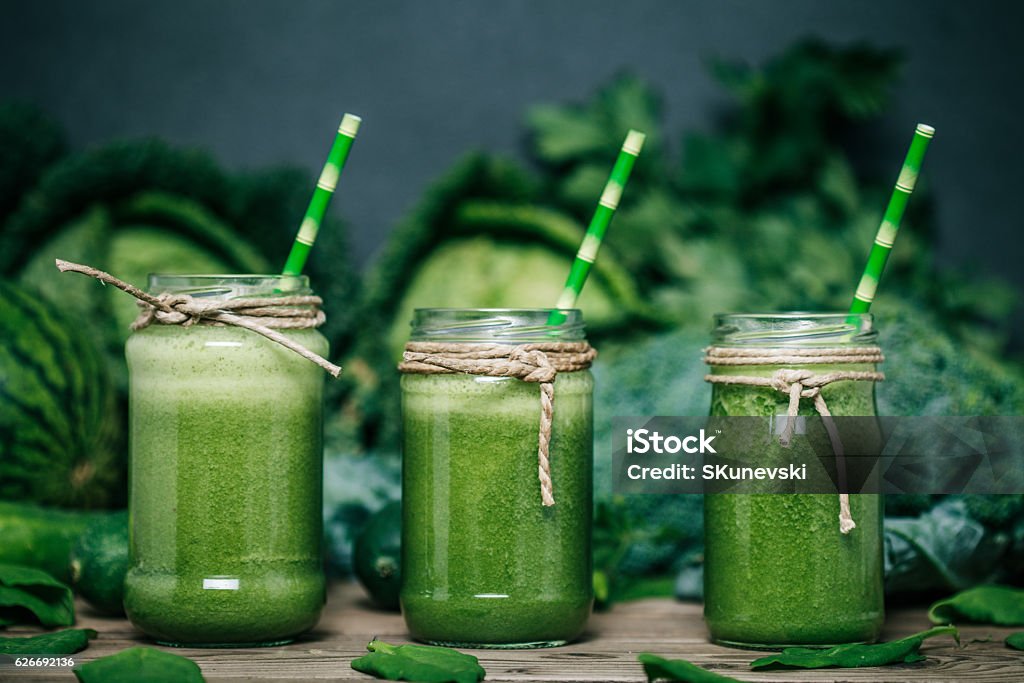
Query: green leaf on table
[(422, 663), (661, 669), (28, 595), (1015, 640), (902, 651), (66, 642), (140, 665), (999, 605)]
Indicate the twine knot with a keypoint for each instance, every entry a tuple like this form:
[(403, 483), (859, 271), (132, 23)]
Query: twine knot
[(543, 371), (258, 314), (801, 383), (171, 309), (786, 380), (538, 363)]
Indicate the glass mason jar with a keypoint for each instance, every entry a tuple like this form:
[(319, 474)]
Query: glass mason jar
[(226, 475), (778, 571), (484, 563)]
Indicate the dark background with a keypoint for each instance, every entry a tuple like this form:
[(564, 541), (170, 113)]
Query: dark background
[(261, 83)]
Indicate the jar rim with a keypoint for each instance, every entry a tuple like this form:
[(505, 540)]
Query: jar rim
[(545, 311), (795, 314), (228, 284), (786, 328), (227, 276), (502, 325)]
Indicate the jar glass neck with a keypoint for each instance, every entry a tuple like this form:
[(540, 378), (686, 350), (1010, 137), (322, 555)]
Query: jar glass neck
[(794, 329), (501, 325), (229, 286)]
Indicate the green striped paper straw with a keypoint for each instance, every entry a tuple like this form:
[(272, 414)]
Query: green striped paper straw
[(322, 194), (598, 224), (886, 236)]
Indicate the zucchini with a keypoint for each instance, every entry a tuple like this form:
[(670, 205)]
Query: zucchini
[(39, 537)]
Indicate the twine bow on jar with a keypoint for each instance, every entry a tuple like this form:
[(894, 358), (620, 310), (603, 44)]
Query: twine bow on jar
[(539, 362), (262, 315), (284, 312), (799, 384)]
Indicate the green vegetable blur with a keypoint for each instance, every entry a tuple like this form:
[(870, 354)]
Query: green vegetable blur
[(99, 563), (377, 556), (41, 537)]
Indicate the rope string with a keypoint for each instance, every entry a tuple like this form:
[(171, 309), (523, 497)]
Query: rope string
[(799, 384), (262, 315), (539, 363)]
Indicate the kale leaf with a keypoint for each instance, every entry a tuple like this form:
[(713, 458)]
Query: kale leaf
[(678, 670), (902, 651), (28, 595), (140, 665), (1000, 605)]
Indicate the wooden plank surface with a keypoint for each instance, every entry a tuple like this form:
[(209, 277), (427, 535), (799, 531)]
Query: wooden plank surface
[(606, 653)]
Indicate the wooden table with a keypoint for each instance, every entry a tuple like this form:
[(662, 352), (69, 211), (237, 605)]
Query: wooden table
[(606, 653)]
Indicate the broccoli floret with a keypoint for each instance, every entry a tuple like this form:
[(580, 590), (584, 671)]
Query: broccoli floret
[(908, 504), (928, 372), (997, 512)]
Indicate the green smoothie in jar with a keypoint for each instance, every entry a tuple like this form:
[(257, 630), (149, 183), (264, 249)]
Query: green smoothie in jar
[(484, 562), (779, 572), (226, 472)]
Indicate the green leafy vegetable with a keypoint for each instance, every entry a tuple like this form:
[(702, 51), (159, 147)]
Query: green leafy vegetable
[(638, 546), (746, 210), (902, 651), (132, 208), (371, 401), (66, 642), (58, 429), (661, 669), (737, 199), (28, 594), (1015, 640), (422, 663), (140, 665), (1000, 605), (944, 550)]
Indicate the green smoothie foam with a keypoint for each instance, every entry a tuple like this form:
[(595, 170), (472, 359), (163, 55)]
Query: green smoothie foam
[(225, 486), (778, 571), (483, 562)]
